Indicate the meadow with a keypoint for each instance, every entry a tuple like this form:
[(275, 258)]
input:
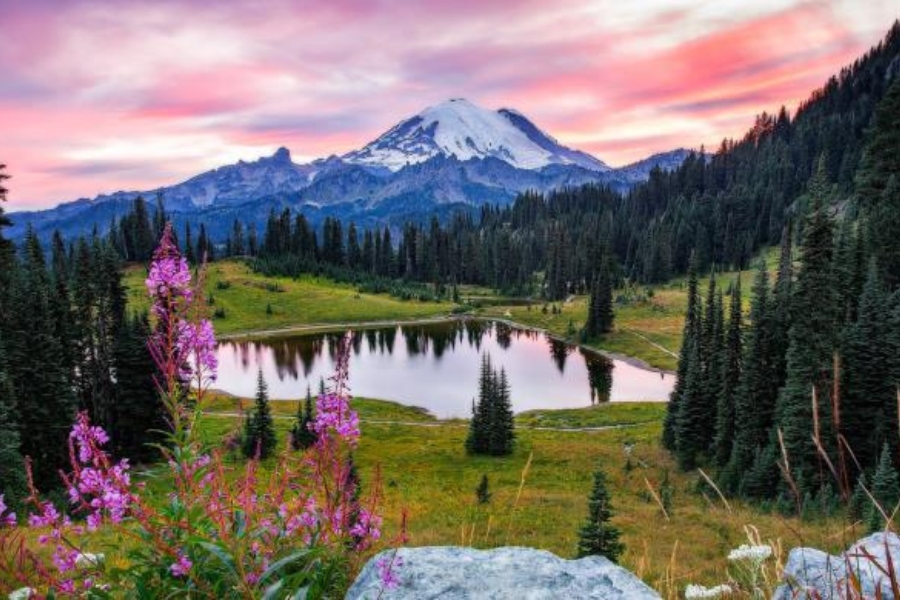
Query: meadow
[(539, 493)]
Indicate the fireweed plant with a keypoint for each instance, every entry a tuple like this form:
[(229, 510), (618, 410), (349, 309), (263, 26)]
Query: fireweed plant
[(294, 533)]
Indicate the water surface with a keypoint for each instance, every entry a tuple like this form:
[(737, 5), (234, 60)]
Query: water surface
[(436, 366)]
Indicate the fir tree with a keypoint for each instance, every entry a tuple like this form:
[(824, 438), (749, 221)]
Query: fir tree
[(598, 536), (691, 330), (259, 433), (878, 184), (12, 467), (754, 402), (810, 353), (302, 435), (482, 492), (502, 422), (885, 491), (137, 417), (867, 408), (731, 373)]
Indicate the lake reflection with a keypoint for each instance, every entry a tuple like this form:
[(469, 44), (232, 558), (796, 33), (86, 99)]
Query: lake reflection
[(435, 366)]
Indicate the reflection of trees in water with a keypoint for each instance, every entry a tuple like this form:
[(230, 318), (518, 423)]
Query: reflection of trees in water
[(599, 369), (503, 333), (475, 332), (559, 351)]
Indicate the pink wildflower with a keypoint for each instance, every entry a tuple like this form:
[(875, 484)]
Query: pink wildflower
[(182, 566)]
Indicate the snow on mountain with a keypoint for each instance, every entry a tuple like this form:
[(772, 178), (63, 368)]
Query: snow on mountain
[(461, 129)]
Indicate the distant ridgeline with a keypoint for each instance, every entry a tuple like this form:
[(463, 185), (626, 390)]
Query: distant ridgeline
[(720, 208)]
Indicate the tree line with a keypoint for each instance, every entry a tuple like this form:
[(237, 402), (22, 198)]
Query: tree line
[(800, 406)]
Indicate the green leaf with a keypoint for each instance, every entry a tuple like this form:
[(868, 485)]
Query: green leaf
[(222, 555), (273, 590), (279, 564)]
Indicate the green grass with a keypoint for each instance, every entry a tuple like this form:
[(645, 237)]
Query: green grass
[(245, 295), (641, 326), (426, 474)]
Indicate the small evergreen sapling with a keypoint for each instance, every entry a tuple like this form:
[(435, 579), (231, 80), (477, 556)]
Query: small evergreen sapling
[(259, 434), (598, 536), (302, 435), (483, 492), (885, 490)]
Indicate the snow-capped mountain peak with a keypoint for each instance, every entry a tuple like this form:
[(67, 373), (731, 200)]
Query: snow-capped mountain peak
[(462, 129)]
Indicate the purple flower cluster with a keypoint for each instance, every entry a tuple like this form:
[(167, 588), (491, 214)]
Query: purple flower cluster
[(335, 417), (182, 566), (386, 573), (170, 276), (97, 485), (6, 518), (366, 530), (197, 345)]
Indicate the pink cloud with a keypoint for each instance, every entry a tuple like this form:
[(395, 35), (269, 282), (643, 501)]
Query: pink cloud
[(89, 92)]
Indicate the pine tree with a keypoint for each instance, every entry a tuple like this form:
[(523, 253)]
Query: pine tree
[(483, 492), (754, 402), (885, 491), (690, 424), (137, 417), (867, 408), (502, 425), (598, 536), (691, 331), (600, 312), (259, 433), (41, 383), (731, 373), (12, 467), (302, 435), (878, 185), (810, 353)]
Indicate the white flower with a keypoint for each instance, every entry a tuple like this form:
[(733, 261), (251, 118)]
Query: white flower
[(21, 594), (754, 553), (88, 560), (698, 592)]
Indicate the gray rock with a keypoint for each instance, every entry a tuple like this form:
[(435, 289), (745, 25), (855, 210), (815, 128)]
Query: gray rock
[(499, 574), (813, 573)]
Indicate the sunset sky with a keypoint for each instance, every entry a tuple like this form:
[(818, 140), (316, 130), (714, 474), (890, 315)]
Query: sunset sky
[(102, 96)]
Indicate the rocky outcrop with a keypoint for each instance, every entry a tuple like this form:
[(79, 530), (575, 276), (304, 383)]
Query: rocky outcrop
[(815, 574), (503, 573)]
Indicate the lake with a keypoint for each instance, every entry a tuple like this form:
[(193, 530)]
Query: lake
[(436, 365)]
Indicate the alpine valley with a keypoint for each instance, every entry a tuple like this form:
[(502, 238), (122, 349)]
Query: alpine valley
[(450, 157)]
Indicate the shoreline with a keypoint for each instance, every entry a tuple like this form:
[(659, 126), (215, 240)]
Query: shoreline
[(265, 334)]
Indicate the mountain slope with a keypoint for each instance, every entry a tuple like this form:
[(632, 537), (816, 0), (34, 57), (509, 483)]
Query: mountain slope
[(461, 129), (454, 154)]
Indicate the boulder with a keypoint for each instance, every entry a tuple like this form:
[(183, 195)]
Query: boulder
[(813, 573), (502, 573)]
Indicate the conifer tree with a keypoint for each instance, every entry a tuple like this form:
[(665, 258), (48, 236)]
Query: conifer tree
[(731, 373), (692, 416), (691, 331), (878, 185), (868, 406), (259, 432), (810, 353), (483, 492), (136, 417), (41, 383), (12, 467), (885, 491), (598, 536), (502, 423), (302, 435)]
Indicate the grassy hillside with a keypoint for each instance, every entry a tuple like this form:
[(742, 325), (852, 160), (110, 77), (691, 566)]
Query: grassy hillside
[(648, 321), (426, 472), (244, 297)]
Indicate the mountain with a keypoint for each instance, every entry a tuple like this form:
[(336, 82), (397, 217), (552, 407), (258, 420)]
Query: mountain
[(461, 129), (451, 156)]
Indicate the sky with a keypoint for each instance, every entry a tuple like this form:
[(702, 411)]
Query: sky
[(113, 95)]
